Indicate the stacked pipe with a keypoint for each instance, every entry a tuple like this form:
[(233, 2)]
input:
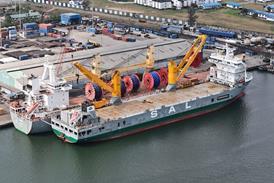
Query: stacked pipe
[(163, 76), (93, 92), (151, 80), (155, 79), (123, 88), (132, 83)]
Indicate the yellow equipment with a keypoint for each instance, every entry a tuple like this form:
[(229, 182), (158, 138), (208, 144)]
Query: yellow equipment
[(115, 90), (95, 44), (99, 104), (96, 65), (175, 73)]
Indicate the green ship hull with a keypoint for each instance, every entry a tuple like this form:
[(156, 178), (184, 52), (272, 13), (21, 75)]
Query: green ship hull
[(149, 124)]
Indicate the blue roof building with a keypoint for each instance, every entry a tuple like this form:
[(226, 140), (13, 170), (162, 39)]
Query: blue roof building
[(207, 6), (270, 8), (262, 14), (233, 5)]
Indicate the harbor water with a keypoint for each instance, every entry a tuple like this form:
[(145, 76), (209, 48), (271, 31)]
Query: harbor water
[(234, 144)]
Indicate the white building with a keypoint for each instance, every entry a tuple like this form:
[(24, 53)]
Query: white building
[(158, 4), (178, 4)]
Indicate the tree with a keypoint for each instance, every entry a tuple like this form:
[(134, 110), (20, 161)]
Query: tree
[(85, 4), (192, 15), (8, 21), (244, 11), (255, 15)]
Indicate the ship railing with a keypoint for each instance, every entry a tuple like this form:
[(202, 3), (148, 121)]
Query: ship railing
[(17, 108)]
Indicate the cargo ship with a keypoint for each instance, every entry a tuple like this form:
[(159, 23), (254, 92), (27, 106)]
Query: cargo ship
[(42, 97), (98, 121)]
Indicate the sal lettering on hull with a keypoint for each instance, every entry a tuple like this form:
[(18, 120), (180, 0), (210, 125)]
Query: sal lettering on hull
[(154, 113), (188, 106)]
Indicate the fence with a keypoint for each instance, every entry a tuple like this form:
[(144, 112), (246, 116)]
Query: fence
[(111, 12)]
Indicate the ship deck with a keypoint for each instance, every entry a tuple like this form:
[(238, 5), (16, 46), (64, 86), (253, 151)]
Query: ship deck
[(156, 101)]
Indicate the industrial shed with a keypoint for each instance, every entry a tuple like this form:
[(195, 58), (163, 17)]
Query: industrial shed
[(207, 6), (233, 5)]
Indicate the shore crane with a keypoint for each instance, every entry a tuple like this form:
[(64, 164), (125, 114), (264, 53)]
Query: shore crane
[(148, 64), (176, 72), (115, 89)]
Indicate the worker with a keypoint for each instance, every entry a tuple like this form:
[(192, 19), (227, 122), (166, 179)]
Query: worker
[(77, 79)]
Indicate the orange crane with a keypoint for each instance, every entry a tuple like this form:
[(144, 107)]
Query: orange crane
[(175, 73), (115, 89), (61, 57), (60, 62)]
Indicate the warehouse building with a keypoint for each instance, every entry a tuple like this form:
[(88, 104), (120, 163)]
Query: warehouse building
[(207, 6), (262, 14)]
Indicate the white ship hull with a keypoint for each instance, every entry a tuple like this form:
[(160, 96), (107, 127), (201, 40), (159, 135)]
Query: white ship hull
[(28, 126)]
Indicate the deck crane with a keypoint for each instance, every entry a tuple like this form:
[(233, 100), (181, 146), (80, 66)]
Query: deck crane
[(176, 72), (115, 89)]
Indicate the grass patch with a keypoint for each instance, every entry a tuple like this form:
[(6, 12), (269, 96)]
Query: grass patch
[(232, 12)]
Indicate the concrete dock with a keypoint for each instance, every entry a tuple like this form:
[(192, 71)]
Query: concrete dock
[(253, 62), (5, 120)]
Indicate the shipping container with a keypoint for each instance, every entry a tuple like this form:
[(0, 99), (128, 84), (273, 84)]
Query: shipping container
[(173, 36), (30, 26), (217, 32), (23, 57), (109, 24), (175, 29), (131, 39), (70, 18), (12, 34)]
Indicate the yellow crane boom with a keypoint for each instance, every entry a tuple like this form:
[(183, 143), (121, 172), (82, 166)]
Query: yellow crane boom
[(175, 72), (116, 80)]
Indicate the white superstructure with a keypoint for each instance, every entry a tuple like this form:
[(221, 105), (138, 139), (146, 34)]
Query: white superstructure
[(228, 70), (43, 96)]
